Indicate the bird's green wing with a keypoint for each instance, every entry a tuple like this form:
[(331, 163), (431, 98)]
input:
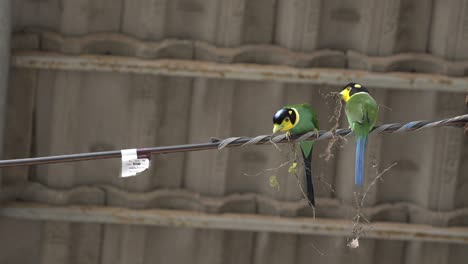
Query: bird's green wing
[(313, 116), (308, 119), (361, 111), (308, 122)]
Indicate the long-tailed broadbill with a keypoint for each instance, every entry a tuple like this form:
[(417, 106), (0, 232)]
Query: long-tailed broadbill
[(361, 111), (298, 119)]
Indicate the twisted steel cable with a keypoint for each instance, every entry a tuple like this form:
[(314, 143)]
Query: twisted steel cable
[(458, 121)]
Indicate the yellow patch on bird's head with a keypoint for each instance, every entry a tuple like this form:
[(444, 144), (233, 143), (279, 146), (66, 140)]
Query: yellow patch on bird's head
[(345, 93), (351, 89), (285, 119)]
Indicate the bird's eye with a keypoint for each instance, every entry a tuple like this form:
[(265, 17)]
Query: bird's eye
[(286, 119)]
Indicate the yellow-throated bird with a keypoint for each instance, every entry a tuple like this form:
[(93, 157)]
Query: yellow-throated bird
[(361, 111), (298, 119)]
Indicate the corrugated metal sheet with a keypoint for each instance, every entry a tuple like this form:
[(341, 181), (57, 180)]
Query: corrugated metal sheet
[(55, 111)]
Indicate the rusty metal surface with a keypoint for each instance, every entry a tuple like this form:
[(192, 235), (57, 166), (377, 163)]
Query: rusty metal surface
[(182, 71), (188, 68), (5, 54), (238, 222)]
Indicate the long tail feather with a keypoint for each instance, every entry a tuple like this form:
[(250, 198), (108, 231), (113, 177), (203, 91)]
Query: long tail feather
[(361, 143), (308, 177)]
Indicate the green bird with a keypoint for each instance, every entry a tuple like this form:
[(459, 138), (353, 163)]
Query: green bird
[(298, 119), (361, 111)]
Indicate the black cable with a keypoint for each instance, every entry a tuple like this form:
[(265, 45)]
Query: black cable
[(458, 121)]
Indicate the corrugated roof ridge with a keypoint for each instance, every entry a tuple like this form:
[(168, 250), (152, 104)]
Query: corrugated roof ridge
[(233, 203)]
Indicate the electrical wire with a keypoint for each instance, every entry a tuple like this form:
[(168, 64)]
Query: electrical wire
[(458, 121)]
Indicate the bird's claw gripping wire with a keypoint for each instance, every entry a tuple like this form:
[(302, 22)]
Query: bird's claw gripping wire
[(314, 134)]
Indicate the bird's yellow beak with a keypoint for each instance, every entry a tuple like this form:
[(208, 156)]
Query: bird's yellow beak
[(277, 128), (345, 94)]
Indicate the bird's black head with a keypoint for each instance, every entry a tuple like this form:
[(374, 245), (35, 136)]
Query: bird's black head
[(352, 88), (285, 119)]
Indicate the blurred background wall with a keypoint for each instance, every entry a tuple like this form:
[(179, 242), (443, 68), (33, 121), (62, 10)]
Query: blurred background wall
[(103, 102)]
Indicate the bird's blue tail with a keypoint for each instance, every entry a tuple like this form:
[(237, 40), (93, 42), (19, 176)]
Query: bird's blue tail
[(361, 142)]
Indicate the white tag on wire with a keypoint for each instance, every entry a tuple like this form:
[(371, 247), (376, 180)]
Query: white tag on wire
[(131, 164)]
